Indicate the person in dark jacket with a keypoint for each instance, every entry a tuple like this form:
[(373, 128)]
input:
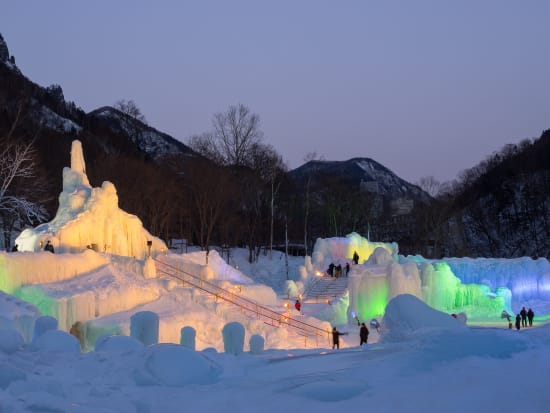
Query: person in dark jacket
[(336, 338), (355, 258), (530, 316), (49, 247), (331, 270), (15, 248), (363, 334), (518, 322), (347, 268), (523, 314)]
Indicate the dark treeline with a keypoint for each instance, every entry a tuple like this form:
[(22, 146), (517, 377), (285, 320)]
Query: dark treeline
[(230, 188)]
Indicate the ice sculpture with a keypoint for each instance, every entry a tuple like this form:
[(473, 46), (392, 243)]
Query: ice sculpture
[(481, 288), (90, 218)]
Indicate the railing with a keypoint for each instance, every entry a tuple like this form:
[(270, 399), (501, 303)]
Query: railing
[(247, 306)]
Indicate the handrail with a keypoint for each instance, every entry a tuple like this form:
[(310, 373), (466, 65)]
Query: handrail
[(243, 303)]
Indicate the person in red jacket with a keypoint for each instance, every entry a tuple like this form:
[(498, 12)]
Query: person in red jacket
[(298, 305)]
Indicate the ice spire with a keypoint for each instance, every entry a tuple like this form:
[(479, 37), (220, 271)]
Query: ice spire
[(77, 161)]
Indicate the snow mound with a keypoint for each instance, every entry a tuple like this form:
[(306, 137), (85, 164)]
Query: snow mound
[(407, 315), (188, 335), (55, 340), (144, 326), (10, 341), (118, 343), (173, 365), (256, 344), (233, 338)]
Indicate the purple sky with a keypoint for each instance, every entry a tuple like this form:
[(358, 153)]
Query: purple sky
[(423, 87)]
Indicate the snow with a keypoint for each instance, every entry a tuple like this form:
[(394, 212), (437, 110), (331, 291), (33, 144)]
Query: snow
[(56, 340), (187, 339), (10, 341), (407, 315), (256, 344), (52, 120), (233, 338), (43, 324), (118, 344), (144, 327), (211, 356)]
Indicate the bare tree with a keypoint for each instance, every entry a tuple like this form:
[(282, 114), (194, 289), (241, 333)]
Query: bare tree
[(235, 134), (130, 108), (210, 190), (271, 168), (430, 185), (17, 169), (310, 156)]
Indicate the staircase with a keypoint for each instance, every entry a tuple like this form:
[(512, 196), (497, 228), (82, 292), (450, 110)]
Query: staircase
[(326, 288), (246, 306)]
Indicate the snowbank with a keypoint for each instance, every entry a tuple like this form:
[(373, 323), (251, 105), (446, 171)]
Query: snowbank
[(173, 365), (406, 316)]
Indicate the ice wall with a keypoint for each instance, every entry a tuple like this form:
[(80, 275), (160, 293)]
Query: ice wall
[(480, 288), (88, 296), (17, 315), (90, 218), (340, 250), (526, 278), (20, 268)]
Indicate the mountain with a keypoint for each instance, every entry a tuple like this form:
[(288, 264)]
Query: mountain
[(148, 140), (501, 208), (362, 174), (46, 110)]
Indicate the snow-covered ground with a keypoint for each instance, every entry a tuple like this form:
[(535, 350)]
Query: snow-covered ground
[(428, 366), (231, 359)]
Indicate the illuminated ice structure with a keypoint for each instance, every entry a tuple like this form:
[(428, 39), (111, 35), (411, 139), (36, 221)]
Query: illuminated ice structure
[(90, 218), (481, 287)]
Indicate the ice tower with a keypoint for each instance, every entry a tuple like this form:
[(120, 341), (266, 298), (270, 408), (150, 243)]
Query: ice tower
[(90, 218)]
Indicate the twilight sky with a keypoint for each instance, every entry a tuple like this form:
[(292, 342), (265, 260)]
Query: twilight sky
[(423, 87)]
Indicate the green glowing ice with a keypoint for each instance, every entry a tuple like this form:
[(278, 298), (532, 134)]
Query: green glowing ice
[(35, 295)]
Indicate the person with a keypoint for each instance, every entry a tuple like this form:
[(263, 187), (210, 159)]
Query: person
[(530, 316), (15, 248), (374, 323), (336, 337), (518, 322), (363, 334), (507, 317), (49, 247), (298, 305), (523, 314), (347, 268), (338, 271), (331, 269), (355, 258)]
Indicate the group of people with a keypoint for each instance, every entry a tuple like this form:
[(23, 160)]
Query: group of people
[(48, 247), (336, 270), (524, 317), (363, 336)]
